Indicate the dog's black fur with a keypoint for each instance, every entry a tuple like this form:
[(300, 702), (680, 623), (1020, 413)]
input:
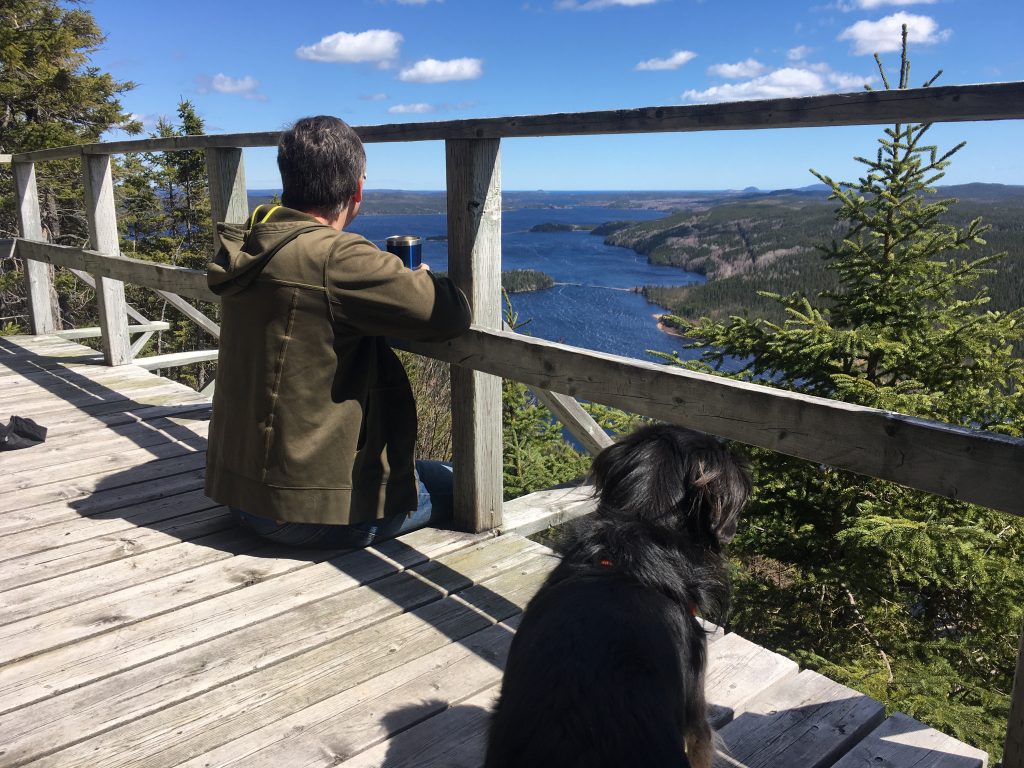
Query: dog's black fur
[(607, 667)]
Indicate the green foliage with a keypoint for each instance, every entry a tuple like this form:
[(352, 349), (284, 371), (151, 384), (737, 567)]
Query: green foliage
[(911, 597), (535, 454), (164, 216), (523, 280), (51, 96)]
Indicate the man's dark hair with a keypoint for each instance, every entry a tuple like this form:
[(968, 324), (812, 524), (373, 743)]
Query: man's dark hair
[(321, 160)]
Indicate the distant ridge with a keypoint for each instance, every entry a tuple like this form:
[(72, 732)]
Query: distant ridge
[(396, 201)]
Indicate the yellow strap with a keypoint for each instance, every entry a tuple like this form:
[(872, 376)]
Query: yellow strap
[(252, 220)]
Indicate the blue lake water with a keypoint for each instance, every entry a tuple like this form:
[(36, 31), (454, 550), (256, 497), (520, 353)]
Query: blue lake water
[(591, 304)]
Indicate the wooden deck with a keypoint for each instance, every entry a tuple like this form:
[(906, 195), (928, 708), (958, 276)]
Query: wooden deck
[(139, 627)]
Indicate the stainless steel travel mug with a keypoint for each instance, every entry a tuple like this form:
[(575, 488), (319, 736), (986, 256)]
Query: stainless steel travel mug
[(408, 248)]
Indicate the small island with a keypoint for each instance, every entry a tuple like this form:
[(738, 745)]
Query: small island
[(551, 226), (525, 280)]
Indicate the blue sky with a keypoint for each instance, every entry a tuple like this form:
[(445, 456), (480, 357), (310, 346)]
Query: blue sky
[(257, 66)]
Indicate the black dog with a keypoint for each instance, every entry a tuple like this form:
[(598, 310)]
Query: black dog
[(607, 668)]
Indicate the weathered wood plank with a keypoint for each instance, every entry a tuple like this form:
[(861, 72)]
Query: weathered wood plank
[(134, 420), (19, 353), (60, 448), (148, 274), (62, 591), (64, 423), (107, 471), (225, 169), (32, 343), (981, 467), (95, 331), (952, 103), (54, 526), (805, 721), (38, 277), (154, 494), (140, 343), (474, 262), (61, 391), (234, 684), (738, 671), (175, 359), (37, 634), (96, 381), (456, 738), (102, 546), (69, 423), (166, 461), (351, 721), (903, 741), (538, 511), (102, 217), (580, 424), (162, 635), (191, 313)]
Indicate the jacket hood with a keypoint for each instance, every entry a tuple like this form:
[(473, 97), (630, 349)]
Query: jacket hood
[(245, 249)]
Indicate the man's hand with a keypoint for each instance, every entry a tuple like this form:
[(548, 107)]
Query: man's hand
[(423, 266)]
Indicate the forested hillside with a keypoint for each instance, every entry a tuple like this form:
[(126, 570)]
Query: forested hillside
[(769, 244)]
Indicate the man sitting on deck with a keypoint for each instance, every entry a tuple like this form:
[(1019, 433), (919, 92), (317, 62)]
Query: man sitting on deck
[(314, 423)]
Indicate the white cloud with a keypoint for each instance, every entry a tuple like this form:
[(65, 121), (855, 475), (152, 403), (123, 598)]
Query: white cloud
[(748, 68), (883, 35), (787, 82), (415, 2), (434, 71), (799, 53), (412, 109), (379, 45), (675, 61), (220, 83), (593, 5), (847, 82), (375, 97)]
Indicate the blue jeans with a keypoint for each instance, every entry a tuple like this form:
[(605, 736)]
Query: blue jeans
[(434, 480)]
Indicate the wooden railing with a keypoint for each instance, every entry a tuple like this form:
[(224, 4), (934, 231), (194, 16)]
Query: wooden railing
[(955, 462)]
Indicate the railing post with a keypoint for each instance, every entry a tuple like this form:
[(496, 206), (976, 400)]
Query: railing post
[(102, 216), (474, 262), (228, 199), (38, 276), (1013, 749)]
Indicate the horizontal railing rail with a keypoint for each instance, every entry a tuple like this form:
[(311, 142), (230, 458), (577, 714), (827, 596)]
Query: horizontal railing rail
[(955, 462), (951, 103)]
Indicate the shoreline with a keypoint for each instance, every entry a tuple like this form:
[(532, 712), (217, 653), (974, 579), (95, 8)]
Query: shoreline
[(668, 330)]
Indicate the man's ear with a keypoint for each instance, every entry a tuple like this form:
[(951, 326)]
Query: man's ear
[(358, 196)]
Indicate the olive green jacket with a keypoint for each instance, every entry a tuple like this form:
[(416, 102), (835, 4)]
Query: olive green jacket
[(313, 417)]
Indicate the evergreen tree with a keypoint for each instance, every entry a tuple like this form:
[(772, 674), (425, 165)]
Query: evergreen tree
[(909, 597), (535, 455), (51, 96), (164, 215)]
